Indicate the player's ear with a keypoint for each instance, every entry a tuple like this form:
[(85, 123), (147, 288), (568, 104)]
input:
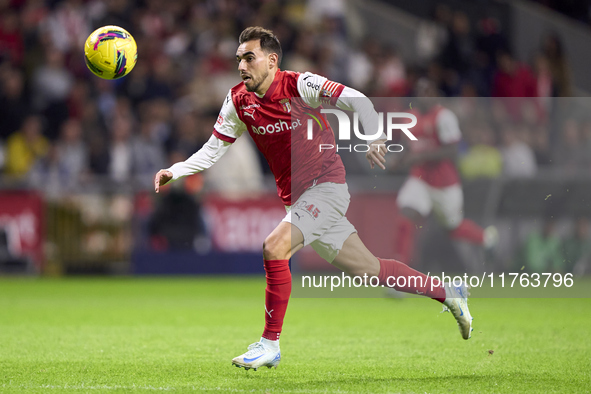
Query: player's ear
[(273, 60)]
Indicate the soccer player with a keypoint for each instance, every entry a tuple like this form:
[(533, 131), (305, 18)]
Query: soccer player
[(434, 182), (311, 186)]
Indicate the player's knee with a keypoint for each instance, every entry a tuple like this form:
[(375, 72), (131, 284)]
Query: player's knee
[(276, 248)]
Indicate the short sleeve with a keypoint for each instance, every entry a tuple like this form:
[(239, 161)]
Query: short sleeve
[(316, 89), (228, 125), (448, 127)]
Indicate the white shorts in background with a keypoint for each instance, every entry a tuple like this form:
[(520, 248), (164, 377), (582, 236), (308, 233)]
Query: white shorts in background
[(446, 202), (319, 214)]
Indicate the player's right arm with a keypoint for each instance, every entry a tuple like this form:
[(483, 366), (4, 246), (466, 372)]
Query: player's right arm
[(226, 130)]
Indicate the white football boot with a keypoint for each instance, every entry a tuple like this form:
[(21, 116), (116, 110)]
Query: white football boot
[(258, 355), (456, 302)]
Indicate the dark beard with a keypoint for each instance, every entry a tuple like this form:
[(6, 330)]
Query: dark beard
[(258, 85)]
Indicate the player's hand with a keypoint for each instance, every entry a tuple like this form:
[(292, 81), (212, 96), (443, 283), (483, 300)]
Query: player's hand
[(161, 178), (375, 154)]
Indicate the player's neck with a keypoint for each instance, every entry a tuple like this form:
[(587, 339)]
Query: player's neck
[(262, 90)]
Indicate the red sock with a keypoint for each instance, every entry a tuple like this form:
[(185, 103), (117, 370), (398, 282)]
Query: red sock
[(403, 278), (468, 231), (276, 296)]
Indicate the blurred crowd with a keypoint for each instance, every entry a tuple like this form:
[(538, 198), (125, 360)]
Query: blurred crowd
[(547, 250), (579, 10), (62, 128)]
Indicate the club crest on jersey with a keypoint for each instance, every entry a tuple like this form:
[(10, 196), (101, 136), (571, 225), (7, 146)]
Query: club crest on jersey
[(286, 105)]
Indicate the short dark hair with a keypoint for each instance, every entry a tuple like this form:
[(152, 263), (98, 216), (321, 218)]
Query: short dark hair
[(268, 40)]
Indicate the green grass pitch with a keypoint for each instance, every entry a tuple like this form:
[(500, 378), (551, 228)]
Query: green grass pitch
[(179, 334)]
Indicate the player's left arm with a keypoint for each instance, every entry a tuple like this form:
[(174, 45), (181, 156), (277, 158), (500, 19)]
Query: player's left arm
[(316, 90), (449, 135), (353, 100)]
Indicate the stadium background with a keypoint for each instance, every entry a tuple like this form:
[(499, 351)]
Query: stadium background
[(78, 153), (80, 227)]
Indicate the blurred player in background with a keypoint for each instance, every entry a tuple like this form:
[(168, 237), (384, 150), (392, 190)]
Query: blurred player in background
[(434, 183), (312, 185)]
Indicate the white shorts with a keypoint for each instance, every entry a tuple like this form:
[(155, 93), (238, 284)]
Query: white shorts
[(446, 202), (319, 214)]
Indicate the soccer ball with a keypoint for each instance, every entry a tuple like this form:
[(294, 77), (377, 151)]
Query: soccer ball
[(110, 52)]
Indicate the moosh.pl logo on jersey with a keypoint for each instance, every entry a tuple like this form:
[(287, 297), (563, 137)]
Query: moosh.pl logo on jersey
[(276, 127)]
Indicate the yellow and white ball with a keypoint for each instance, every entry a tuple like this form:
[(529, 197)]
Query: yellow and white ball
[(110, 52)]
